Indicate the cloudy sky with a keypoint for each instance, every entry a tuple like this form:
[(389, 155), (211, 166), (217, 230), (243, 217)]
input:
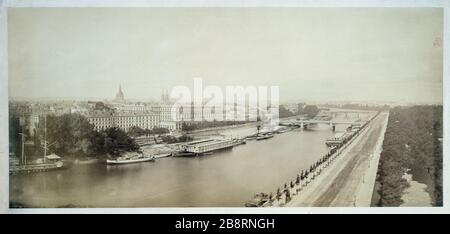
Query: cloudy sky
[(323, 54)]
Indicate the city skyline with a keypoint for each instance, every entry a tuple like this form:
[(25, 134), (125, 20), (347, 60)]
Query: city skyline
[(224, 105), (373, 53)]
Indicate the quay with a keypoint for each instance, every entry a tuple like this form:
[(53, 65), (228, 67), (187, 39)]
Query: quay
[(312, 186)]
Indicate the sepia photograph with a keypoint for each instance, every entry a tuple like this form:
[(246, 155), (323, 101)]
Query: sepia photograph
[(257, 107)]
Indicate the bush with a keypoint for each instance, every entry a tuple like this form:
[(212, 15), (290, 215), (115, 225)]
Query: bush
[(411, 142)]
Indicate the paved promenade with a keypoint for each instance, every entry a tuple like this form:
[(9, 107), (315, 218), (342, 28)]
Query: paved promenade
[(349, 180)]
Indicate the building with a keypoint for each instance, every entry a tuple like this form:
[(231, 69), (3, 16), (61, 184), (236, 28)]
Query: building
[(123, 120), (134, 107)]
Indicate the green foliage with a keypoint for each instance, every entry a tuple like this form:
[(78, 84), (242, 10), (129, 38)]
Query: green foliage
[(101, 106), (68, 133), (14, 137), (311, 111), (283, 112), (159, 131), (116, 141), (411, 142), (172, 139), (135, 131), (72, 134)]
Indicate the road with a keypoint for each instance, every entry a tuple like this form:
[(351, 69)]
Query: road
[(350, 179)]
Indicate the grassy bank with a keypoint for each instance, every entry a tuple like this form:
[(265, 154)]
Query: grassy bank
[(412, 141)]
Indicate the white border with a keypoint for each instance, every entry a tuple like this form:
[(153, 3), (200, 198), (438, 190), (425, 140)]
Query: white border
[(224, 3), (4, 177)]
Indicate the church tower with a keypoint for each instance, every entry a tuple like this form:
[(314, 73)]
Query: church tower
[(119, 96), (165, 96)]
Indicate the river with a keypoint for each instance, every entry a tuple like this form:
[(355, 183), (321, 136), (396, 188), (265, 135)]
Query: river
[(223, 179)]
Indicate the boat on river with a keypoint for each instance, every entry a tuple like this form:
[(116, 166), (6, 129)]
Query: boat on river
[(264, 136), (51, 162), (46, 163), (131, 157), (260, 199), (239, 141), (163, 155)]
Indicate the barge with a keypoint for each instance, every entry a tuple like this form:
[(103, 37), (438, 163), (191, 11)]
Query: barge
[(201, 147), (131, 157)]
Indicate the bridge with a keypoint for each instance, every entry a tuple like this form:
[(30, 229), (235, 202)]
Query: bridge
[(304, 123), (336, 111)]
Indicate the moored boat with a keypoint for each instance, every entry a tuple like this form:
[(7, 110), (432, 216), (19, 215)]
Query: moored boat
[(258, 200), (239, 141), (182, 153), (131, 158), (36, 167), (47, 163), (163, 155), (264, 136)]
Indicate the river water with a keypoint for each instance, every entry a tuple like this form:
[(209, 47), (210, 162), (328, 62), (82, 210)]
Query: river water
[(223, 179)]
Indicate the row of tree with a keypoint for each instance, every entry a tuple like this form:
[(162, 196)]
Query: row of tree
[(412, 142), (304, 175), (173, 139), (72, 134), (359, 107), (136, 131), (309, 110)]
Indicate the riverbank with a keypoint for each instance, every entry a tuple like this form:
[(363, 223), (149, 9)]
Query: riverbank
[(217, 180), (411, 144), (231, 127), (341, 183)]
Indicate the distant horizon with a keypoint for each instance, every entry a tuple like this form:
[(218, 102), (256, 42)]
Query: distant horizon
[(111, 99), (354, 55)]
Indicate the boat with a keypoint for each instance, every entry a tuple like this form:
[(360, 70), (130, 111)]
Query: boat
[(282, 129), (338, 139), (207, 145), (258, 200), (46, 163), (163, 155), (182, 153), (252, 137), (264, 136), (131, 157), (239, 141)]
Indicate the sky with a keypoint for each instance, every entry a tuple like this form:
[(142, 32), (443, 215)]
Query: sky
[(322, 54)]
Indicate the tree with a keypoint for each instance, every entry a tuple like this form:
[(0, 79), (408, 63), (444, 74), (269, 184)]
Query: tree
[(160, 130), (135, 131), (411, 142), (116, 141), (278, 196), (101, 106), (288, 195), (284, 112), (14, 137), (311, 111), (68, 133)]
